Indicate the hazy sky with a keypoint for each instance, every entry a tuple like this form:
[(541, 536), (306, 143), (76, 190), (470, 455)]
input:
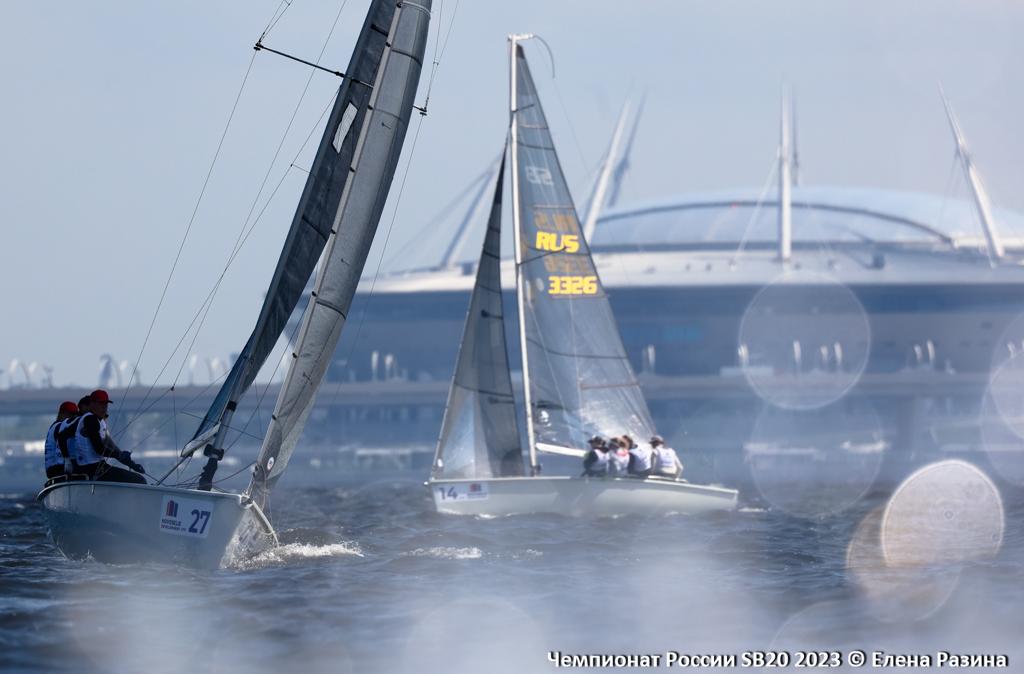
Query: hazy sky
[(112, 111)]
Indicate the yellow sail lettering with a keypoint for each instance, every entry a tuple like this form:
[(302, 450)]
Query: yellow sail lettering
[(550, 241), (572, 285)]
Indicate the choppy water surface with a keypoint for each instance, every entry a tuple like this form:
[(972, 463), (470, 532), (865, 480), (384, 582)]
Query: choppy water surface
[(369, 578)]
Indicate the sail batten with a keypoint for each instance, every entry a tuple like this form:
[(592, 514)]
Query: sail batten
[(578, 380), (378, 145), (479, 436)]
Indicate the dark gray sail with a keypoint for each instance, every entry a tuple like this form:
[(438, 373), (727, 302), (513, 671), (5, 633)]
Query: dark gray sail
[(580, 381), (479, 436), (378, 146), (311, 225)]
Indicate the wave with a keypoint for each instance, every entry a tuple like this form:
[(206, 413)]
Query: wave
[(445, 552)]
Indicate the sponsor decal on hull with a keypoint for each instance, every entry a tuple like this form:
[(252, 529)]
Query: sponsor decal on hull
[(185, 517)]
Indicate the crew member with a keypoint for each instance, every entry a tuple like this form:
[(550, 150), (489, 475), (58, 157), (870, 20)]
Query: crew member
[(55, 457), (666, 461), (66, 432), (92, 446), (640, 459), (595, 462), (618, 457)]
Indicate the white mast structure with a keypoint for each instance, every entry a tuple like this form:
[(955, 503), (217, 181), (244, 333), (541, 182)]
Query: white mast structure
[(785, 206), (513, 42), (597, 200), (981, 200)]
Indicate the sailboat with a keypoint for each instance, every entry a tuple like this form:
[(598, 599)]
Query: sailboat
[(334, 223), (577, 379)]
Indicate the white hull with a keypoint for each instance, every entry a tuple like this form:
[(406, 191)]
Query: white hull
[(577, 496), (131, 523)]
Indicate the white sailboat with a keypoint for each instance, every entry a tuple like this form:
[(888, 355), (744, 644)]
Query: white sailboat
[(577, 379), (334, 223)]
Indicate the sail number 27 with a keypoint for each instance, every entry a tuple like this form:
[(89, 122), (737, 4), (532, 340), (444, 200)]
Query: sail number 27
[(572, 285)]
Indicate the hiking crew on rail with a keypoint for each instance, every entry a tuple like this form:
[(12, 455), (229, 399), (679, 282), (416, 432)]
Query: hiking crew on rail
[(82, 442)]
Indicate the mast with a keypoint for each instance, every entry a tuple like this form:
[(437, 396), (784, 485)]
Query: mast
[(785, 206), (597, 199), (513, 45), (981, 200), (795, 151)]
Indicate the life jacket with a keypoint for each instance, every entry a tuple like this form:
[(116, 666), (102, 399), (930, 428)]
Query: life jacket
[(85, 453), (600, 464), (51, 452), (69, 422), (642, 459), (665, 461), (619, 462)]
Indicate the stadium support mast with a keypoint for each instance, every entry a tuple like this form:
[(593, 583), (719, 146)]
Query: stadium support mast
[(785, 207), (981, 200), (608, 166)]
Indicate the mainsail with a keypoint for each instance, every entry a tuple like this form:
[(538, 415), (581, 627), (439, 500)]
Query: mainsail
[(578, 378), (378, 146), (311, 226), (479, 437)]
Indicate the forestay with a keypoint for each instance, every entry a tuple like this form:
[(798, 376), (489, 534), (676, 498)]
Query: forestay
[(378, 146), (479, 437), (313, 220), (580, 379)]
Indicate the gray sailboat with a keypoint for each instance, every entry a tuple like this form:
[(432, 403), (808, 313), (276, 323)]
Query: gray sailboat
[(335, 222), (577, 379)]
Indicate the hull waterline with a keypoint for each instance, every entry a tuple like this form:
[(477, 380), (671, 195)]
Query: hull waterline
[(129, 523), (576, 496)]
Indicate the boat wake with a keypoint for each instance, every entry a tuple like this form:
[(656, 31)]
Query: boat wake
[(293, 552)]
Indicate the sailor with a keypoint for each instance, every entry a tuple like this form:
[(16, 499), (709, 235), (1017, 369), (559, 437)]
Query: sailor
[(55, 457), (618, 457), (66, 432), (666, 461), (92, 446), (640, 458), (595, 462)]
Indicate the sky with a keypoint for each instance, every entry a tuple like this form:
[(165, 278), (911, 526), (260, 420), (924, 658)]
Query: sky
[(112, 112)]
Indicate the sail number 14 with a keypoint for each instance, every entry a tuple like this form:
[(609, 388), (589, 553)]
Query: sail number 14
[(572, 285)]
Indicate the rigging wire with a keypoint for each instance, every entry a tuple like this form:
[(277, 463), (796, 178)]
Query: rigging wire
[(949, 187), (243, 234), (286, 4), (757, 211), (184, 238)]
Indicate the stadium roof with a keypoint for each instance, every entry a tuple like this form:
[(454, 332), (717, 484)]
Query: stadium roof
[(820, 214)]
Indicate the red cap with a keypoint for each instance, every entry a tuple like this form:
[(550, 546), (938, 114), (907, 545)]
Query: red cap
[(69, 407), (100, 396)]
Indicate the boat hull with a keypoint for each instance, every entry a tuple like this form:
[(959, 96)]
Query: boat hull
[(130, 523), (577, 496)]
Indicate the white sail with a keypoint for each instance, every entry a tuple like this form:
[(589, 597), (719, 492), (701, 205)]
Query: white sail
[(479, 435), (379, 144)]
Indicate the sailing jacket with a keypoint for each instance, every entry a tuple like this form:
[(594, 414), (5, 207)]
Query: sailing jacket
[(65, 436), (90, 443), (666, 462), (53, 453), (596, 462), (619, 460), (640, 460)]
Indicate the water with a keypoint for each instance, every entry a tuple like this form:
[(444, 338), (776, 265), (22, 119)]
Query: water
[(370, 579)]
